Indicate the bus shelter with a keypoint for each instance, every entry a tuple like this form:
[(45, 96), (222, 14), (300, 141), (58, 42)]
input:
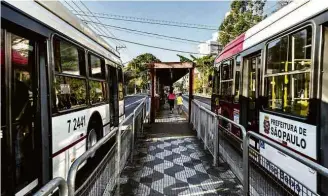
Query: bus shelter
[(165, 74)]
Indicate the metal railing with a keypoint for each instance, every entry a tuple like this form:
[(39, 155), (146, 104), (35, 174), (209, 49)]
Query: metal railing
[(302, 189), (51, 186), (205, 122), (104, 177), (245, 160)]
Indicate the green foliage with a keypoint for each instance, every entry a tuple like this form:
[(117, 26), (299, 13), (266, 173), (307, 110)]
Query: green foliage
[(242, 16), (184, 59), (137, 70), (204, 65)]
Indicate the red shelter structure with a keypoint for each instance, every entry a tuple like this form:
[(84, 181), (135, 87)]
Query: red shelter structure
[(165, 74)]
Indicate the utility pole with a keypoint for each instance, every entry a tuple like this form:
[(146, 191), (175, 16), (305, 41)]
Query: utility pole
[(119, 47)]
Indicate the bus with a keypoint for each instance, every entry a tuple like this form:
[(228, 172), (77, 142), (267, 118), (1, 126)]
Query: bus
[(273, 80), (61, 92)]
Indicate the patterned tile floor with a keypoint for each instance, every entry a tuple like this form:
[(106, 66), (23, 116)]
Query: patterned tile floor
[(176, 166)]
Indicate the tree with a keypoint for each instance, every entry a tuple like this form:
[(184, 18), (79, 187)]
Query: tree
[(183, 59), (242, 16), (281, 4), (205, 66), (138, 70)]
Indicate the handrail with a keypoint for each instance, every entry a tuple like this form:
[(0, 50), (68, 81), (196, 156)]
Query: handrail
[(57, 182), (74, 167), (203, 108), (89, 153), (313, 165), (242, 128)]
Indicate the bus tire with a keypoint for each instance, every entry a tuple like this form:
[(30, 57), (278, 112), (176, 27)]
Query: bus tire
[(94, 133)]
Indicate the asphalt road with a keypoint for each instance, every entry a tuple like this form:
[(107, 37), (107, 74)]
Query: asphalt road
[(205, 101), (131, 102)]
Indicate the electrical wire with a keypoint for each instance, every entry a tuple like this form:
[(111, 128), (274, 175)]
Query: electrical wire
[(153, 20), (144, 32), (157, 37), (99, 21), (149, 22), (145, 45), (97, 29), (91, 26)]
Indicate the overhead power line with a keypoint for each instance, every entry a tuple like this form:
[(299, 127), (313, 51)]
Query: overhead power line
[(144, 32), (148, 22), (99, 21), (154, 20), (95, 28), (145, 45), (157, 37)]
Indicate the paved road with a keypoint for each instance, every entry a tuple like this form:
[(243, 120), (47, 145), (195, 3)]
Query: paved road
[(206, 102), (131, 102)]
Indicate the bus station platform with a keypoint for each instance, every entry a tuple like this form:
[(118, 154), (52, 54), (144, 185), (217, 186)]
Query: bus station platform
[(171, 160)]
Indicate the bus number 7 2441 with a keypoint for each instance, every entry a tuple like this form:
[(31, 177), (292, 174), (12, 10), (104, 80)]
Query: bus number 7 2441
[(78, 122)]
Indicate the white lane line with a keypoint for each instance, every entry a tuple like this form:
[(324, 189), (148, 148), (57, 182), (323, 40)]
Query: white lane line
[(133, 103)]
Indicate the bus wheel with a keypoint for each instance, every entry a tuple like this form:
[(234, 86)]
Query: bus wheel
[(92, 138)]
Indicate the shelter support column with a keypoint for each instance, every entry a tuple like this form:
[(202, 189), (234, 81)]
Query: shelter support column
[(152, 92), (191, 93)]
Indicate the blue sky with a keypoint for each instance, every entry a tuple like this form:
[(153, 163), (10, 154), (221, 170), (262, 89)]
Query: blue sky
[(206, 13)]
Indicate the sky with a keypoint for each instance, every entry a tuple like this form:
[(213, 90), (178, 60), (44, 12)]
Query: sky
[(206, 13)]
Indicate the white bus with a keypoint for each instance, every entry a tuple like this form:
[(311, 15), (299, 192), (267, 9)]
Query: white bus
[(61, 91)]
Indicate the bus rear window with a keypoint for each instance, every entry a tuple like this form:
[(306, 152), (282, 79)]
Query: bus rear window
[(287, 77)]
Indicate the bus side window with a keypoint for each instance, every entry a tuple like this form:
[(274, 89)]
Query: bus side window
[(237, 82), (69, 81), (120, 85), (287, 74), (227, 77), (216, 82), (97, 83)]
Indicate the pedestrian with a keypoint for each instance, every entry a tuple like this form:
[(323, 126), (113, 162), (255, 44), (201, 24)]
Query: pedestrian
[(171, 99), (180, 103)]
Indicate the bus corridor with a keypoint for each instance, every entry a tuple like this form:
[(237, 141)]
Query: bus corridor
[(170, 160)]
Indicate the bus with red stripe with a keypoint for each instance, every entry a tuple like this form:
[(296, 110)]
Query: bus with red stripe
[(273, 80), (61, 92)]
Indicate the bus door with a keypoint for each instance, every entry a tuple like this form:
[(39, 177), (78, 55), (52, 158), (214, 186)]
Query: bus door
[(251, 77), (20, 117), (113, 97), (324, 107)]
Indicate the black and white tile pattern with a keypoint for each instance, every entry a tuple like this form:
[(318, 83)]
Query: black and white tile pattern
[(176, 166)]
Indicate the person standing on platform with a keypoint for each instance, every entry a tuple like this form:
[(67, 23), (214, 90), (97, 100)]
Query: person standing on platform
[(171, 99), (179, 103)]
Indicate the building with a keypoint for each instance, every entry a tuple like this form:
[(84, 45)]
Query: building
[(185, 80), (210, 46)]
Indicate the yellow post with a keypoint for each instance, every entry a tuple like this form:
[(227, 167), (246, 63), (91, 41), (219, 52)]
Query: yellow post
[(285, 86)]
